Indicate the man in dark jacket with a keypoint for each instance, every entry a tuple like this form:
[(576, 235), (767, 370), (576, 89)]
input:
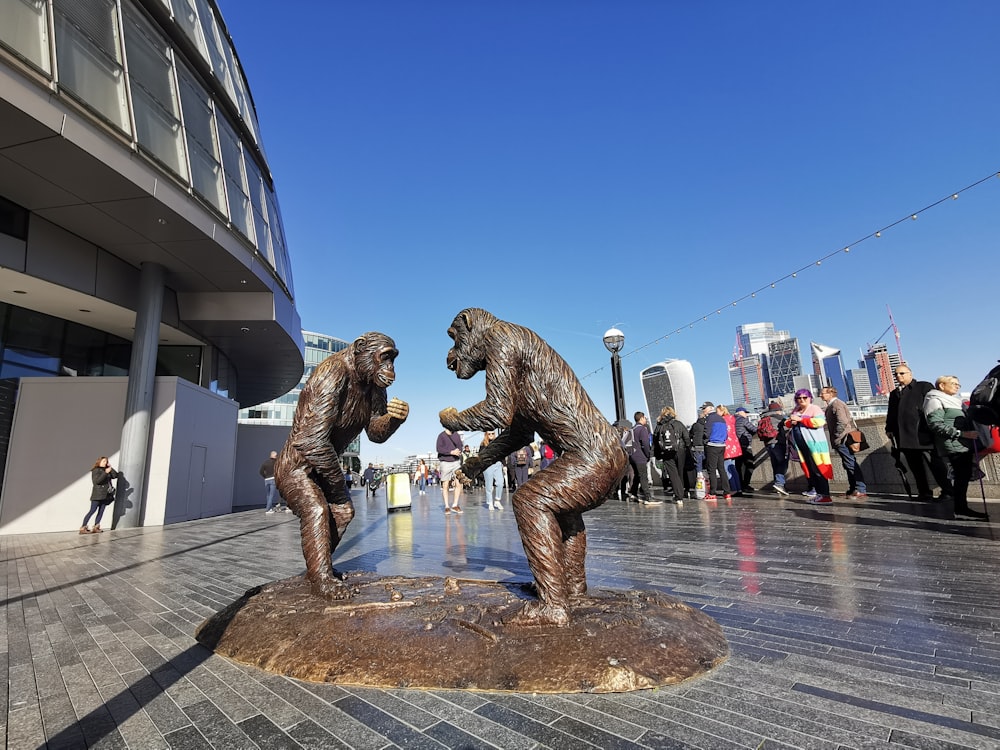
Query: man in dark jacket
[(697, 435), (642, 451), (907, 429), (744, 462)]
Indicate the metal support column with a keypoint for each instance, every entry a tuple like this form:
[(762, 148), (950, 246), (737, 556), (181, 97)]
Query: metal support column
[(130, 499)]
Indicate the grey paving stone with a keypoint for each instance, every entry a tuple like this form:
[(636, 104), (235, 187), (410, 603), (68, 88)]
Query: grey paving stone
[(312, 736)]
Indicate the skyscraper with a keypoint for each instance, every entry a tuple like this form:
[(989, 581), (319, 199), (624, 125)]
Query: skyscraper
[(784, 364), (755, 338), (748, 380), (881, 366), (670, 383), (829, 369)]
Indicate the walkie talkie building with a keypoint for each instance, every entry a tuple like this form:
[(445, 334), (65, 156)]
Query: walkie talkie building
[(670, 383)]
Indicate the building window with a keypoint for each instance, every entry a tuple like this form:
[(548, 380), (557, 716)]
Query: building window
[(154, 94), (202, 142), (89, 54), (24, 28), (236, 187)]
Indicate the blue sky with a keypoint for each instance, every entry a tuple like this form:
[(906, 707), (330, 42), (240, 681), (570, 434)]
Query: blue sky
[(572, 166)]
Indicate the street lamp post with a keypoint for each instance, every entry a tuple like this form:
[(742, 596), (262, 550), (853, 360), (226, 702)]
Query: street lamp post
[(614, 340)]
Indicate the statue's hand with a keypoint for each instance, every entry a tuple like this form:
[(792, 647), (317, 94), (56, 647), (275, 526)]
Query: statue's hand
[(472, 467), (461, 476), (398, 409), (449, 418)]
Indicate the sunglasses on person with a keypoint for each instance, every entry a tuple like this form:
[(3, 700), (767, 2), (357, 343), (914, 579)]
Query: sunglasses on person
[(801, 398)]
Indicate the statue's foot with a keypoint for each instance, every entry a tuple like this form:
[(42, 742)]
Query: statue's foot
[(330, 588), (535, 614)]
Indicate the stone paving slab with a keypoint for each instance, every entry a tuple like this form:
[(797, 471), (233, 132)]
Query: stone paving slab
[(857, 625)]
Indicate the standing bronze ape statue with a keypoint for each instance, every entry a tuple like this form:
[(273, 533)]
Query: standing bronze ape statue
[(529, 389), (345, 394)]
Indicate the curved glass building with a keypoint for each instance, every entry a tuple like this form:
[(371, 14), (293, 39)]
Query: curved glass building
[(145, 283), (670, 383)]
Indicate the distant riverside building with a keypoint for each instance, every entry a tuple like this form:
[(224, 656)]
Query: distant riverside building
[(881, 366), (670, 383), (146, 285), (859, 384), (829, 369), (806, 380), (748, 380), (784, 364)]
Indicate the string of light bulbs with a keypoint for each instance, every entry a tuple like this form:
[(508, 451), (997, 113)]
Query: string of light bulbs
[(842, 250)]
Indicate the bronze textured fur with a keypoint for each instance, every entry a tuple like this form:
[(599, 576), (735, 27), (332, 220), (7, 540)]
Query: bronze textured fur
[(345, 394), (529, 389)]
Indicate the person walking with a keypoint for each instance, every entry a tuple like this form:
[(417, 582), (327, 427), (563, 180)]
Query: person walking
[(492, 476), (102, 494), (907, 429), (421, 473), (449, 450), (267, 472), (954, 436), (840, 422), (806, 423)]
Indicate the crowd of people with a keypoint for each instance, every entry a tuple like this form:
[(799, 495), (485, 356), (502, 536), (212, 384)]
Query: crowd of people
[(926, 424)]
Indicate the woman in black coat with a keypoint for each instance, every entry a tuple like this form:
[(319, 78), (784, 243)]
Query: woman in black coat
[(102, 494)]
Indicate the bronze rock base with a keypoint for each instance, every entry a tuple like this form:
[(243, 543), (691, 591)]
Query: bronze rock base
[(397, 632)]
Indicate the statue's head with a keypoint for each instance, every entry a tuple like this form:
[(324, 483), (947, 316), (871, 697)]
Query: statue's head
[(468, 331)]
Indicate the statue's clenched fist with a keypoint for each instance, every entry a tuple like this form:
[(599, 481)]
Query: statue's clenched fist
[(398, 409)]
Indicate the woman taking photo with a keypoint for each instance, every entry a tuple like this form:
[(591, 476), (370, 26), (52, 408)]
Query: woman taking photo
[(953, 438), (101, 496), (805, 427)]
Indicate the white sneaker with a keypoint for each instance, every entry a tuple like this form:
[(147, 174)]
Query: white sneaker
[(780, 489), (497, 505), (268, 512)]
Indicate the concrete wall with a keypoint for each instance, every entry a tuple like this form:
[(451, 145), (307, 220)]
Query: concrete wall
[(62, 425), (253, 444), (877, 465)]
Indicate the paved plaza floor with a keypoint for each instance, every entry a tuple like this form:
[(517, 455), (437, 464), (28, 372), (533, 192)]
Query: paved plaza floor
[(857, 625)]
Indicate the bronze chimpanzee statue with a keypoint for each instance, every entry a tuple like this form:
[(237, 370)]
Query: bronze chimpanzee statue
[(529, 389), (344, 394)]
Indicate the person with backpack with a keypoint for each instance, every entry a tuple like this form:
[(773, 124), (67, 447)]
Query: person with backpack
[(771, 431), (670, 446), (519, 462)]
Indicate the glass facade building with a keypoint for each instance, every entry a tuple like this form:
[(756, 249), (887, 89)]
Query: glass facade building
[(784, 365), (139, 221)]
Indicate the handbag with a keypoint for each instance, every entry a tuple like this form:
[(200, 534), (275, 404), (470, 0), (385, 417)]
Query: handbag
[(111, 493), (856, 441)]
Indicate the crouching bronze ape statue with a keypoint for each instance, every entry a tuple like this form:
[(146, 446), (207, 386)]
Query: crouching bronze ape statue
[(345, 394), (529, 389)]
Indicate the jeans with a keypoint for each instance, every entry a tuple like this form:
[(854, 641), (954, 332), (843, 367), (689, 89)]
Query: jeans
[(493, 478), (270, 490), (421, 483), (855, 480), (779, 462), (99, 508), (699, 459), (732, 471)]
